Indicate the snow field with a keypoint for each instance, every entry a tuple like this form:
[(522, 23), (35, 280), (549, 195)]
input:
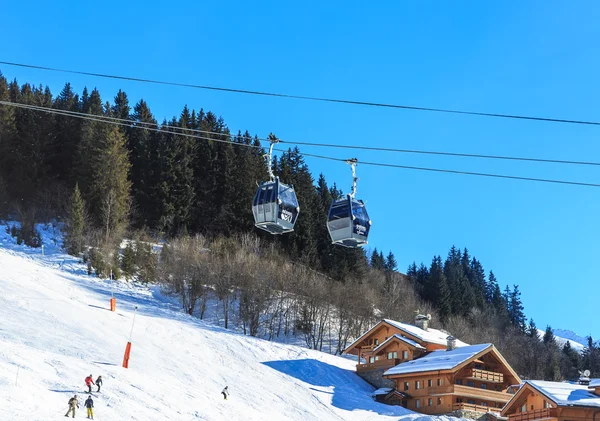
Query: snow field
[(56, 328)]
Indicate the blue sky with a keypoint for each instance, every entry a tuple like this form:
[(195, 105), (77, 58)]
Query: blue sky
[(539, 58)]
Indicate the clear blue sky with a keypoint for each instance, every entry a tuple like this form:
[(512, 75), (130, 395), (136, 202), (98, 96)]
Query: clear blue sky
[(538, 57)]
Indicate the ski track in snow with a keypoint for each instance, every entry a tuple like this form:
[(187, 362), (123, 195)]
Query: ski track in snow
[(56, 328)]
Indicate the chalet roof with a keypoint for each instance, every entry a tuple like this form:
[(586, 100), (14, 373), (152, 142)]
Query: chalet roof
[(382, 391), (399, 337), (430, 335), (434, 336), (566, 394), (594, 382), (439, 360)]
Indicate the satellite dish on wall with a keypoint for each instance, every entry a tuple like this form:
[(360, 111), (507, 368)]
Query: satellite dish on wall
[(429, 317), (587, 373)]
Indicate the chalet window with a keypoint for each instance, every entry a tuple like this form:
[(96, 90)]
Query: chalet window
[(483, 403), (430, 402), (418, 403), (471, 402), (547, 405), (371, 360), (470, 383), (524, 408), (376, 341), (459, 400), (377, 358), (392, 355), (483, 386), (440, 382), (439, 401), (418, 384), (429, 383), (405, 355), (458, 381), (405, 385)]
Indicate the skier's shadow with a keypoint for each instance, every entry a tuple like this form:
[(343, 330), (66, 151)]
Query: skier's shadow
[(99, 362), (65, 391)]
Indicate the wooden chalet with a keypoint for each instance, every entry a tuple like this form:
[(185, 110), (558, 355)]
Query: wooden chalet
[(390, 343), (554, 401), (474, 378)]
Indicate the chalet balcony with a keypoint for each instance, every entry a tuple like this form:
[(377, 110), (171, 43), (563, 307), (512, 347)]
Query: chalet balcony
[(485, 394), (475, 408), (383, 363), (540, 414), (487, 376)]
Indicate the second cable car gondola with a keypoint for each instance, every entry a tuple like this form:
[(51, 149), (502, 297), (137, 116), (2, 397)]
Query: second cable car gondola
[(275, 206), (348, 222)]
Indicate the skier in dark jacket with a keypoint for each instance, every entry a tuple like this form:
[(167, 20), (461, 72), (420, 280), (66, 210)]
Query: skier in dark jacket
[(225, 392), (89, 404), (99, 382)]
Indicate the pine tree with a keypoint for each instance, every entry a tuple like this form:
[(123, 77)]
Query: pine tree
[(145, 169), (517, 315), (76, 225), (548, 338), (111, 187), (390, 263), (61, 159), (532, 331), (570, 363), (128, 267), (436, 289)]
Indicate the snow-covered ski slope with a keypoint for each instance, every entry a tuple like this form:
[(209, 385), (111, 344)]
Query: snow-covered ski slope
[(55, 329)]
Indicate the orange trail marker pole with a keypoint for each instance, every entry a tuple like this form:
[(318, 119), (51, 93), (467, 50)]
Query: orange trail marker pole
[(113, 300), (128, 347)]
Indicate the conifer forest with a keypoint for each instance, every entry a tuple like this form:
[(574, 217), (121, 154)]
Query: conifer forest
[(143, 180)]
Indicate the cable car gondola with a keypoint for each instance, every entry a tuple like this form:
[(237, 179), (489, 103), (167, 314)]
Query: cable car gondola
[(275, 206), (348, 221)]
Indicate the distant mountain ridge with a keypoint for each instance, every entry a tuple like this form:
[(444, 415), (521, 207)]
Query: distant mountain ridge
[(563, 336)]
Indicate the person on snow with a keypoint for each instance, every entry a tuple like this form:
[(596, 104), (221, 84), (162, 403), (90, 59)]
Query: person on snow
[(89, 404), (73, 402), (225, 392), (89, 381), (99, 382)]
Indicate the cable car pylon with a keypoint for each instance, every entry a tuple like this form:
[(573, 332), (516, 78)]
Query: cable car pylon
[(275, 206), (348, 222)]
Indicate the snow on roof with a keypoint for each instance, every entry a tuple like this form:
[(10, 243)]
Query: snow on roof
[(382, 391), (595, 383), (566, 394), (400, 337), (430, 335), (438, 360)]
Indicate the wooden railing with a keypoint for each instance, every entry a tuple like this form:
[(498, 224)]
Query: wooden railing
[(475, 408), (484, 394), (538, 414), (490, 376), (378, 364)]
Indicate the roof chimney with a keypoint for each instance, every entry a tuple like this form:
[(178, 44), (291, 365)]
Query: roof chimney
[(422, 321), (451, 343)]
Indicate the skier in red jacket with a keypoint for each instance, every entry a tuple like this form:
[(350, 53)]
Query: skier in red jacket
[(89, 381)]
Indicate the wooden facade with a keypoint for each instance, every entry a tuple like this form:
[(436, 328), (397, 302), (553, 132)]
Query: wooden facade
[(481, 383), (530, 404), (395, 351)]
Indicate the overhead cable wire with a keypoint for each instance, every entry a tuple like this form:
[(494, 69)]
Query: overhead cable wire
[(113, 120), (308, 98), (331, 145)]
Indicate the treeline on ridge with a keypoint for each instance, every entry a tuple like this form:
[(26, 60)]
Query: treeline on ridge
[(111, 181)]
